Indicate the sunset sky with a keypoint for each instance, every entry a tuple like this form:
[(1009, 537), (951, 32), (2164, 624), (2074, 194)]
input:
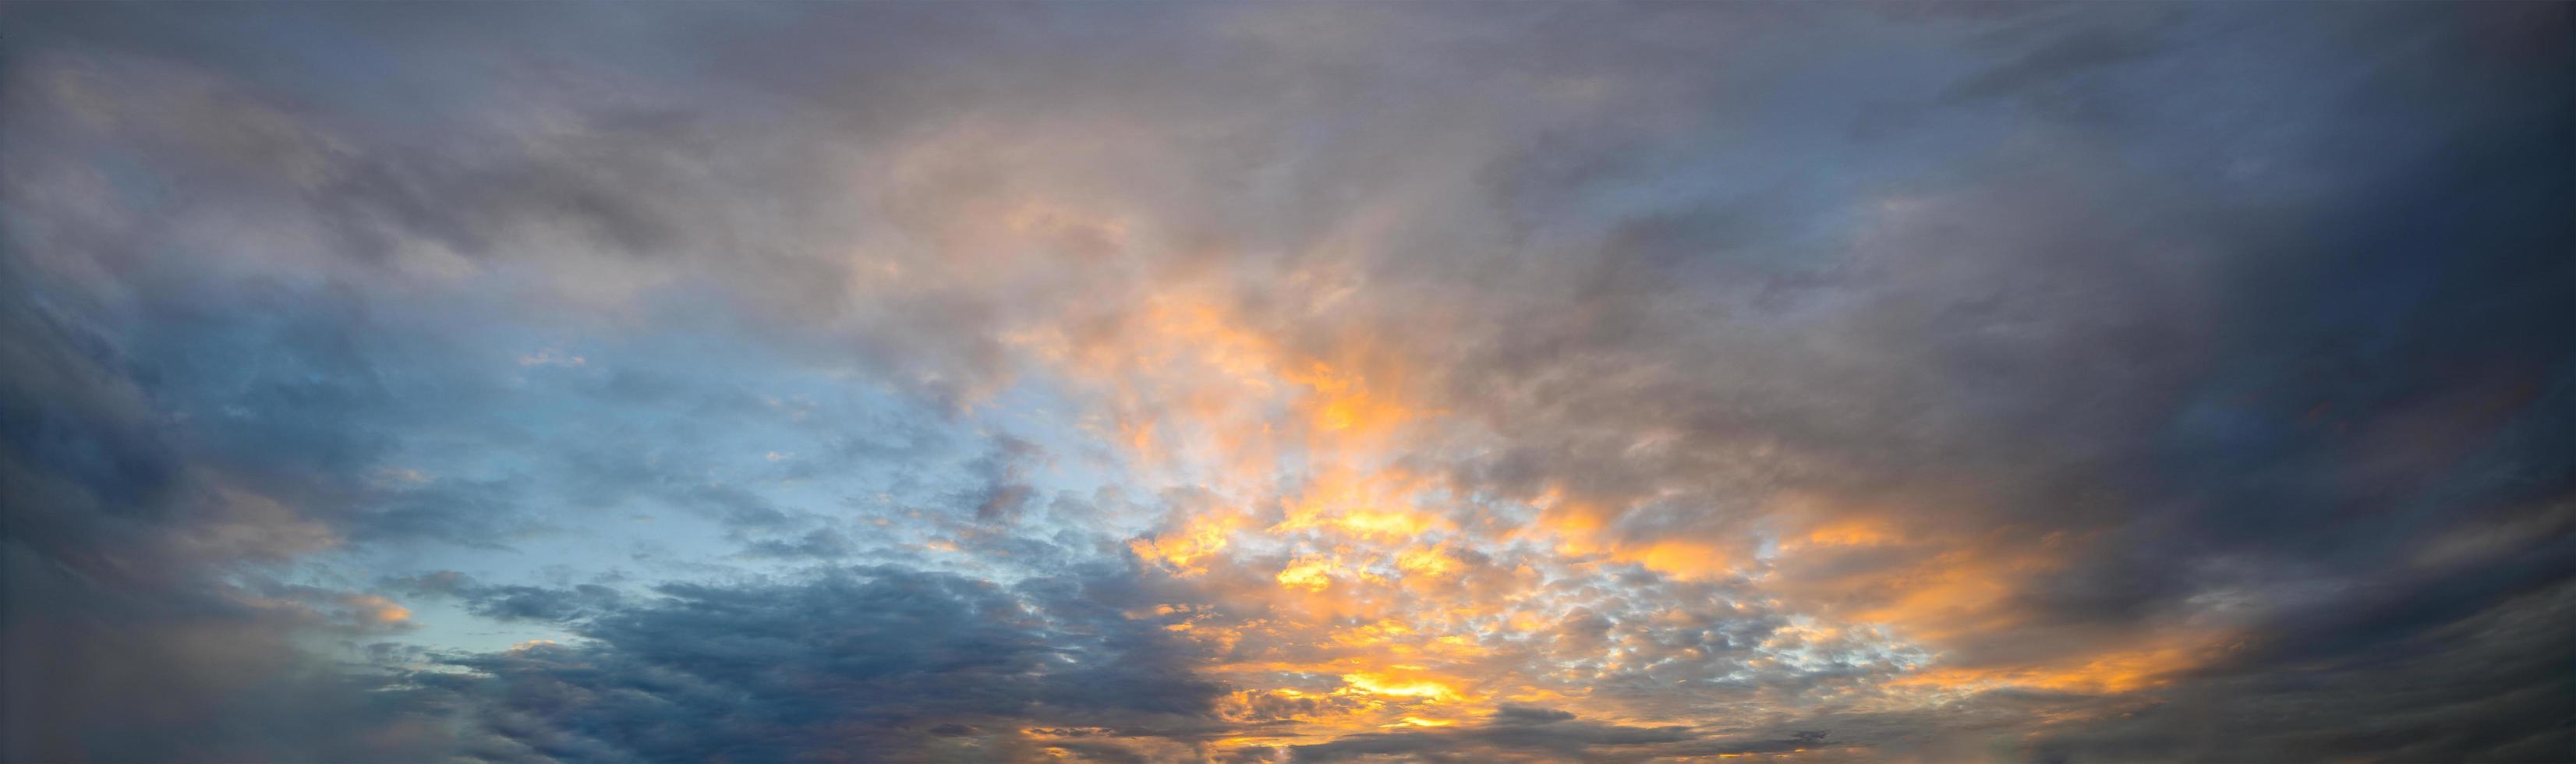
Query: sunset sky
[(1288, 382)]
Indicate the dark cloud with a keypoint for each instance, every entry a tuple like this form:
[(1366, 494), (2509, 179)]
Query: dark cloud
[(871, 665), (125, 640), (2481, 686), (1512, 733)]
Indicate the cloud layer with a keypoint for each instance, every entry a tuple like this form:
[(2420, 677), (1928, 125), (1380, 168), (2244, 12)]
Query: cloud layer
[(983, 382)]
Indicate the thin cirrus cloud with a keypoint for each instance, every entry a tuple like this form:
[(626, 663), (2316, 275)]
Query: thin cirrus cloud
[(901, 382)]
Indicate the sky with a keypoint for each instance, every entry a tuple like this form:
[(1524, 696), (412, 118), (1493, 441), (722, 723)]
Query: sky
[(1288, 382)]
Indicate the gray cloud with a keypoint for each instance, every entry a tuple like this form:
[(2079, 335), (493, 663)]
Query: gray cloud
[(871, 664)]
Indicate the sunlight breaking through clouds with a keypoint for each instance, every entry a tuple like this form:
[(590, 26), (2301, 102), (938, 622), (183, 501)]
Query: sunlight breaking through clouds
[(1287, 382)]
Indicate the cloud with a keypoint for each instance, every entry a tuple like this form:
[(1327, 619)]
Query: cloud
[(1561, 382), (866, 664), (1516, 733)]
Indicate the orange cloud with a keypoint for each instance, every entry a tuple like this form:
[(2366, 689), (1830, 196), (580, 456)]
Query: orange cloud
[(1341, 557)]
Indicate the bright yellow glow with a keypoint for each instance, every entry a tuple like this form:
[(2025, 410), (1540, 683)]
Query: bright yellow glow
[(1379, 684), (1205, 535), (1311, 574)]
